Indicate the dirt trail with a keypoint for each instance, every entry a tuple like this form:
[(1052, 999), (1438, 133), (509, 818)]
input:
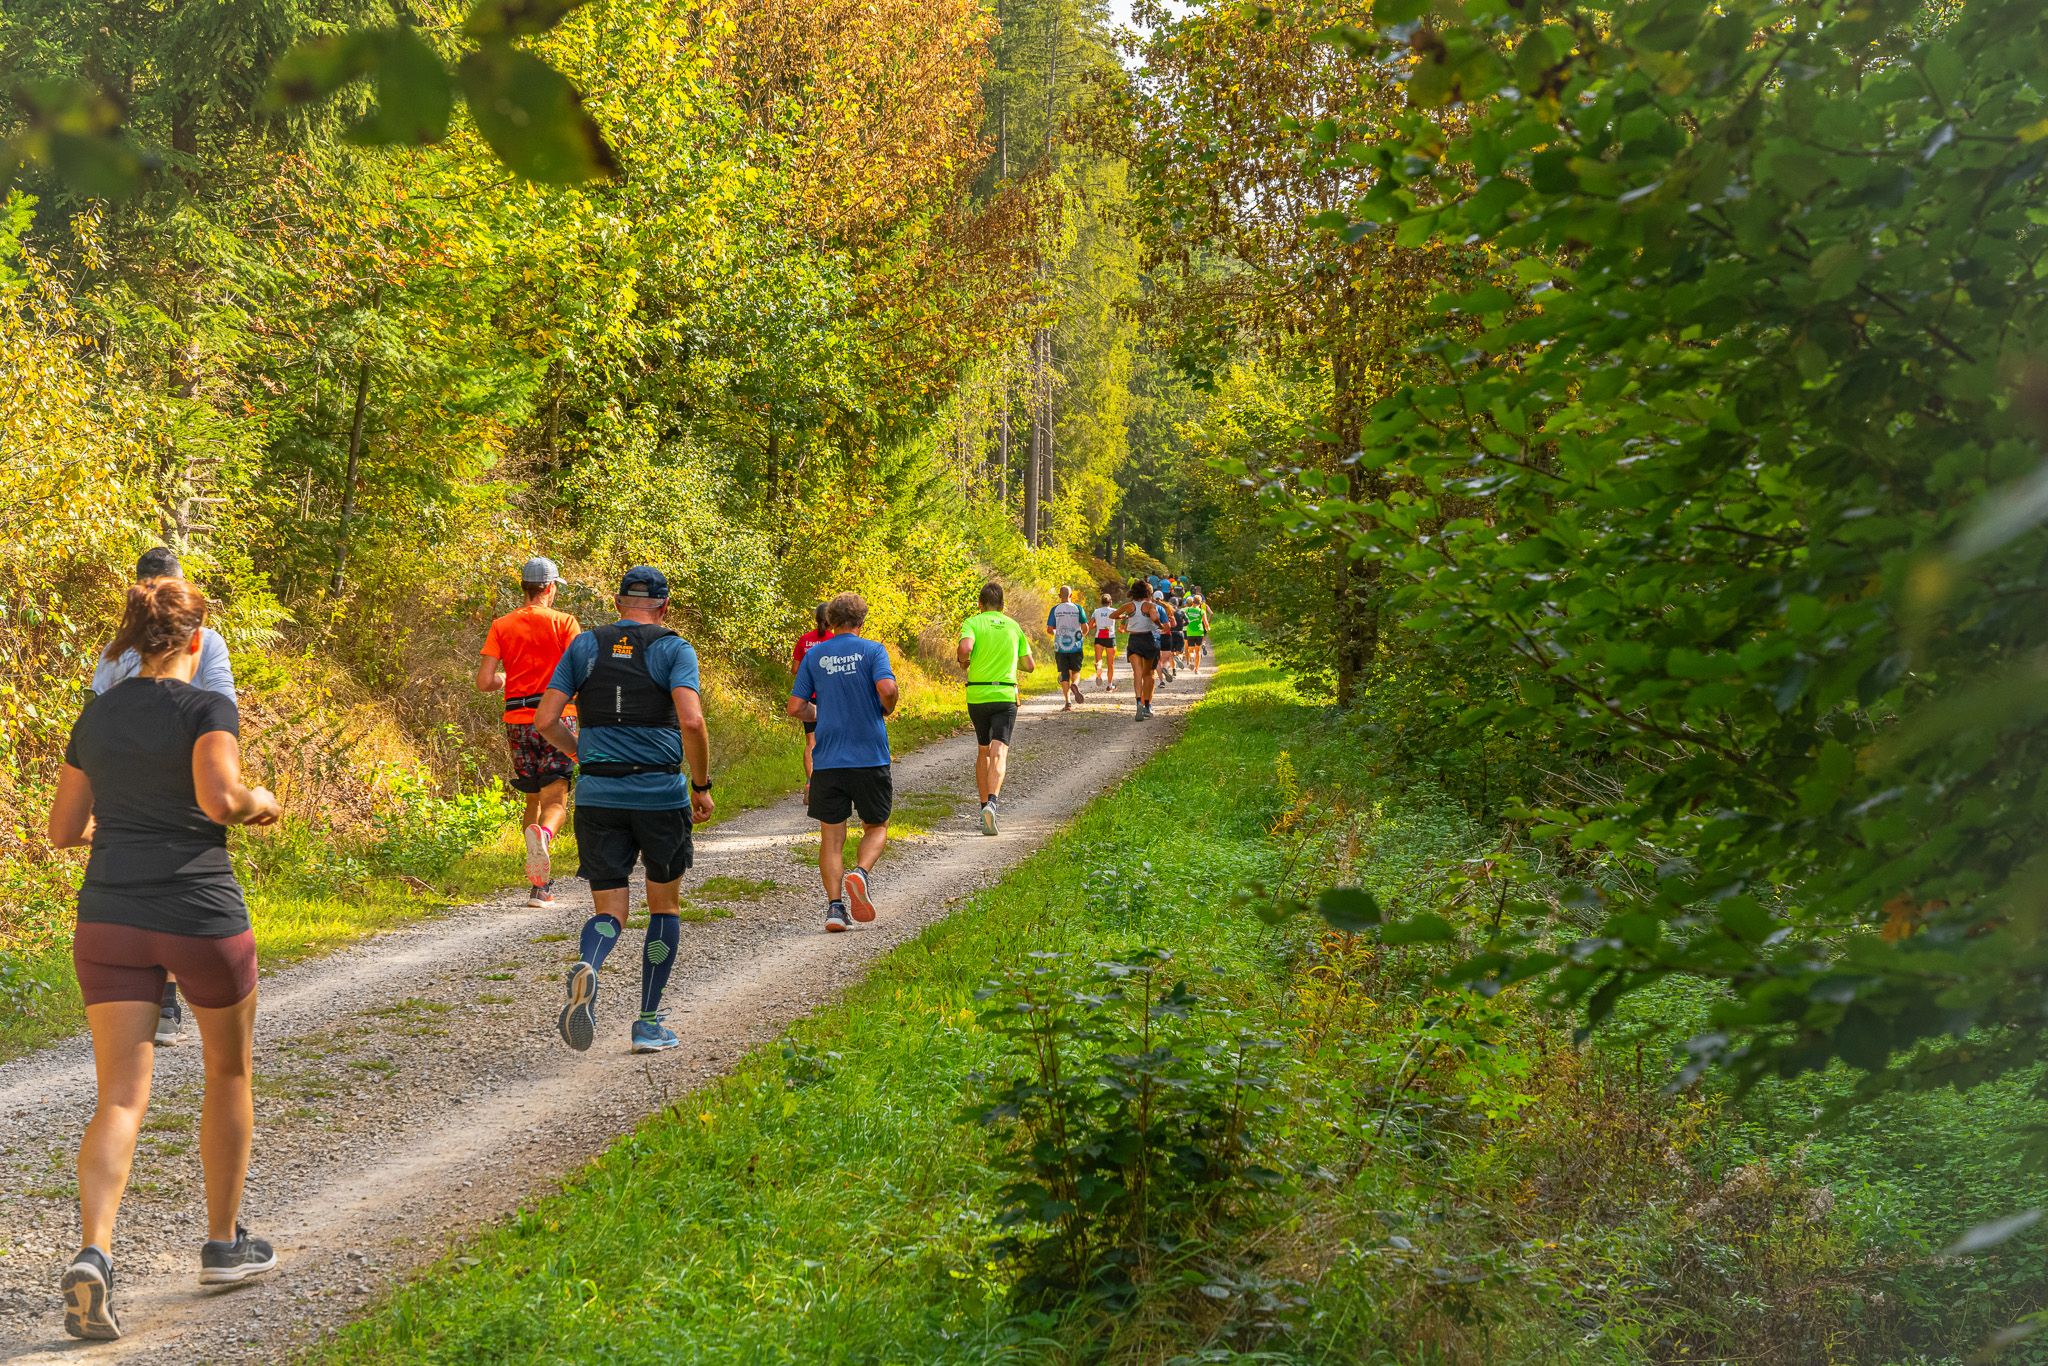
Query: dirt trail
[(412, 1088)]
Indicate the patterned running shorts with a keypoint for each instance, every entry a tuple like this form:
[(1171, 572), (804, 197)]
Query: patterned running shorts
[(535, 762)]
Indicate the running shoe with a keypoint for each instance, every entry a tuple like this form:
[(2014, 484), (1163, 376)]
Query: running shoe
[(835, 919), (577, 1023), (652, 1036), (856, 888), (988, 818), (542, 897), (244, 1259), (537, 856), (89, 1296), (170, 1022)]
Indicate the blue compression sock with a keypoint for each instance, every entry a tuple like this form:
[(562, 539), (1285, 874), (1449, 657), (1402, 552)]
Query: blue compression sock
[(600, 933), (664, 933)]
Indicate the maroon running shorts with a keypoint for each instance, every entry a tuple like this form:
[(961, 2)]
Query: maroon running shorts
[(122, 963)]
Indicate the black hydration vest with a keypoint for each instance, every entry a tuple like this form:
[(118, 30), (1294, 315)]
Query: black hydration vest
[(621, 692)]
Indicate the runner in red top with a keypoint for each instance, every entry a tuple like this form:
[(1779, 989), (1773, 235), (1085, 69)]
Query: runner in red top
[(519, 656), (818, 632)]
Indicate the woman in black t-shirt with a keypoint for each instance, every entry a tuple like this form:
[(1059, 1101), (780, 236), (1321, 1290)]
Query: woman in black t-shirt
[(151, 780)]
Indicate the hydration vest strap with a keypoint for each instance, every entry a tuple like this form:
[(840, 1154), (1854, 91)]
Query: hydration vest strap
[(515, 703)]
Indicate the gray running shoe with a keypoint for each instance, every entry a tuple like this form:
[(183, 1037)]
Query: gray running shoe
[(988, 818), (170, 1022), (88, 1296), (541, 897), (244, 1259), (577, 1023), (836, 921)]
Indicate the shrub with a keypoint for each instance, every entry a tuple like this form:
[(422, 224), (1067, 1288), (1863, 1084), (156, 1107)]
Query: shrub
[(424, 835)]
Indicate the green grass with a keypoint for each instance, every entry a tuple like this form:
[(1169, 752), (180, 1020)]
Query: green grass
[(757, 757)]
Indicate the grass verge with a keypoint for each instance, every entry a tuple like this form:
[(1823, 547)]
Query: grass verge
[(1442, 1177)]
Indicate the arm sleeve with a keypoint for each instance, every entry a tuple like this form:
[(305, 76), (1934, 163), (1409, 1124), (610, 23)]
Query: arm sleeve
[(1023, 645), (882, 667), (216, 675), (493, 647)]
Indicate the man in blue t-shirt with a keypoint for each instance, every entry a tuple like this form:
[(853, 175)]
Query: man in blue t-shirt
[(855, 689), (642, 727)]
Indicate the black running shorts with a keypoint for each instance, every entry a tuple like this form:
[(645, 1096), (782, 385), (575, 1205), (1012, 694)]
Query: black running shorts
[(1142, 645), (993, 721), (1068, 662), (837, 793), (610, 839)]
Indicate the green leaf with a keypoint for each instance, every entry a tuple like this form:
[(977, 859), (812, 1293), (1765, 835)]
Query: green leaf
[(1388, 13), (414, 98), (317, 67), (1352, 910), (517, 18), (533, 118), (1422, 928)]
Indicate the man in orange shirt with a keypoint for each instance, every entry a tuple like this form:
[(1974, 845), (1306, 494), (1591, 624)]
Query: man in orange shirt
[(519, 657)]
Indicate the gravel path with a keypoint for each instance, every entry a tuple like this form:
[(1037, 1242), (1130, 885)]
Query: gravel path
[(412, 1088)]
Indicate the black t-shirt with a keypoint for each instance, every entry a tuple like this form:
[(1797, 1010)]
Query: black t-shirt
[(157, 862)]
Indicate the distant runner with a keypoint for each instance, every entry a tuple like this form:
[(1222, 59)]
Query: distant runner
[(519, 657), (214, 674), (992, 649), (1170, 643), (854, 689), (1105, 642), (1198, 630), (152, 777), (1141, 617), (1068, 627), (635, 682), (819, 631)]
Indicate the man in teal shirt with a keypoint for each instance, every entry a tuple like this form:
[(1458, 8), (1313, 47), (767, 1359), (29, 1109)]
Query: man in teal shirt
[(992, 649)]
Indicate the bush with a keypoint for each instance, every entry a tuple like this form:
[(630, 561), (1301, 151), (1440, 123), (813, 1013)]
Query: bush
[(424, 835), (1130, 1117)]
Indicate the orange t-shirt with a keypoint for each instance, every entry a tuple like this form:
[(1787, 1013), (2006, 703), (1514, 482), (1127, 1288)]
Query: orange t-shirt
[(530, 641)]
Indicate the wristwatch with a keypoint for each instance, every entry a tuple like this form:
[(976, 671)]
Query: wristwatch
[(695, 787)]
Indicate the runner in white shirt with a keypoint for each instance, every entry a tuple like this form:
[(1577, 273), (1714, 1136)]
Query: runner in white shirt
[(1068, 627), (1105, 643)]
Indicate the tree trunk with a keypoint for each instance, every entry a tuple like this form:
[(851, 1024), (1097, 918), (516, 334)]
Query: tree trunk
[(348, 479)]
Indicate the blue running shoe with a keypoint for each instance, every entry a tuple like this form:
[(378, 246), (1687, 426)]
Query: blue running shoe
[(578, 1020), (652, 1036), (835, 918)]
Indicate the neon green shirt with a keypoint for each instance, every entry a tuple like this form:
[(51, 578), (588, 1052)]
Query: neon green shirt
[(1198, 619), (995, 645)]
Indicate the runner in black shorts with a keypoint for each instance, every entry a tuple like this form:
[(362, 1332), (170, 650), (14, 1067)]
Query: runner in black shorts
[(847, 685), (992, 649), (1067, 624)]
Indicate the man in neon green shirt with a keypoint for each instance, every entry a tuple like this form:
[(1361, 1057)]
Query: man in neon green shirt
[(992, 649)]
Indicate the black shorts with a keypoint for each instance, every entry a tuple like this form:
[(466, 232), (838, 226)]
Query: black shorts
[(1145, 645), (810, 727), (993, 721), (1068, 662), (837, 793), (609, 839), (1171, 643), (1105, 642)]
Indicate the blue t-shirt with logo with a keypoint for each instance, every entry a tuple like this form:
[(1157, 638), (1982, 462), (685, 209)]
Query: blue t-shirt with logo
[(841, 674), (673, 664)]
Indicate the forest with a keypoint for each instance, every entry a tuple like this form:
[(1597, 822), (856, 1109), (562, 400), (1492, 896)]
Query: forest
[(1585, 916)]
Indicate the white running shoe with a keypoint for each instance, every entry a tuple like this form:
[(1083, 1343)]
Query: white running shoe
[(537, 870)]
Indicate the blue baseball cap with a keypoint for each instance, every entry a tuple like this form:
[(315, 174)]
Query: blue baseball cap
[(644, 581)]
